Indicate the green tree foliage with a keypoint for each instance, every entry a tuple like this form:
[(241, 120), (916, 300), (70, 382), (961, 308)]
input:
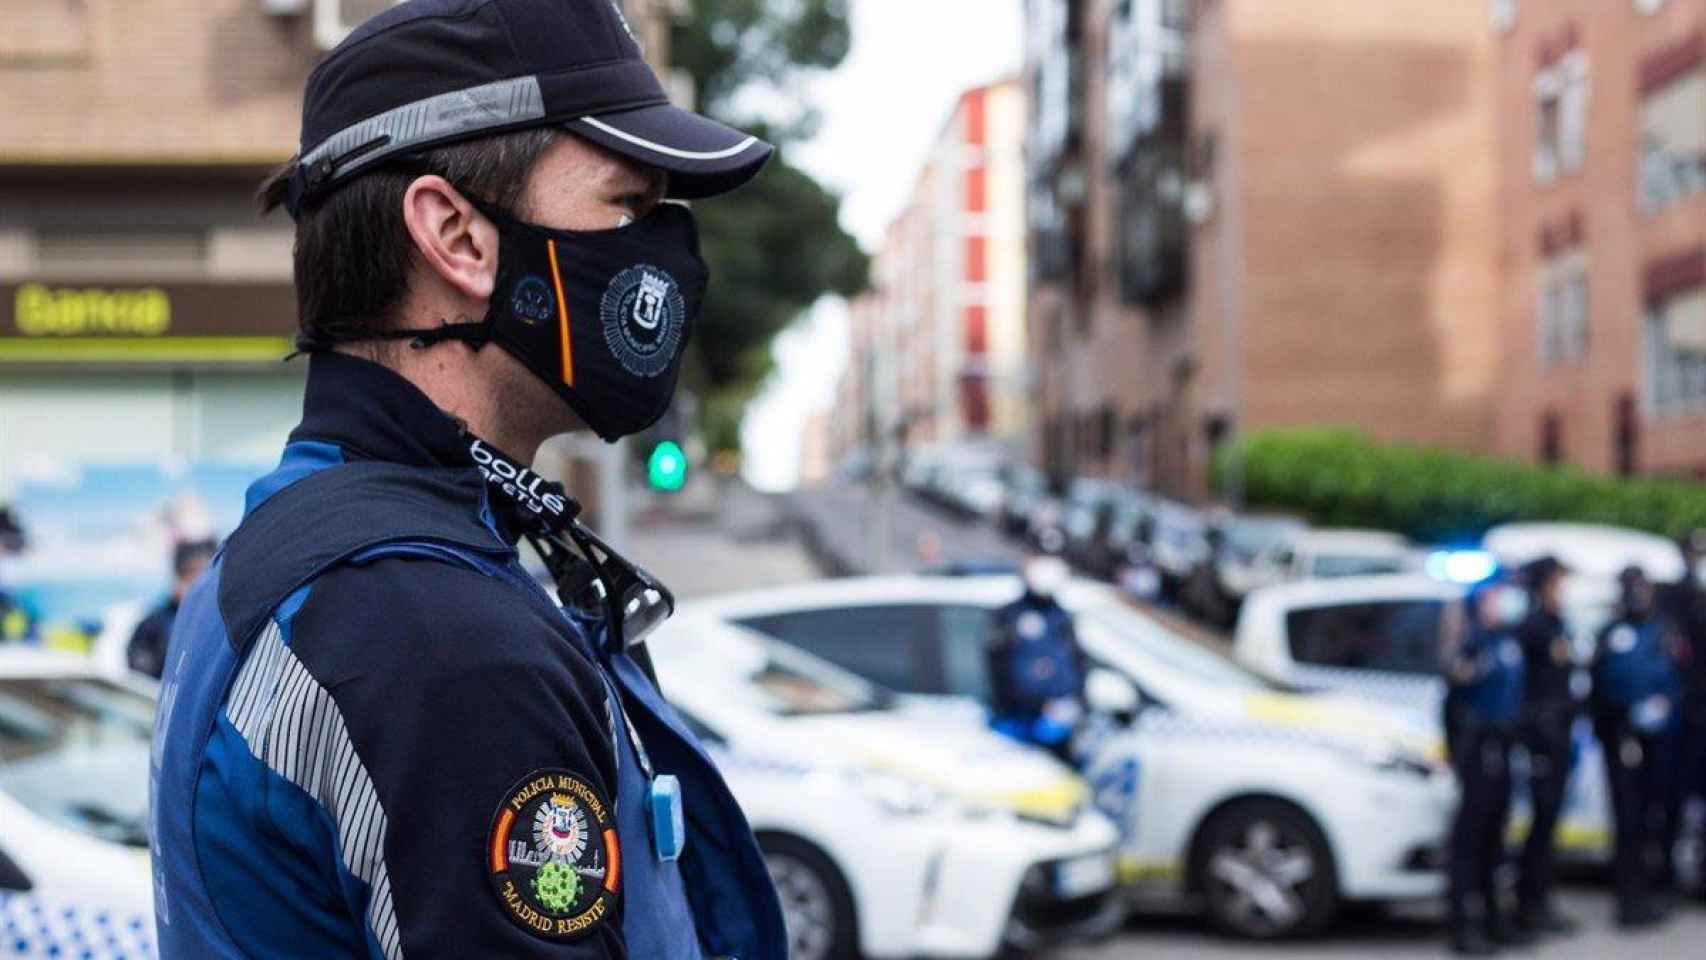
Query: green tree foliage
[(777, 245), (1341, 478)]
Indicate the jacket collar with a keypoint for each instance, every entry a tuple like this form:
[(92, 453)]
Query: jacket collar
[(372, 413)]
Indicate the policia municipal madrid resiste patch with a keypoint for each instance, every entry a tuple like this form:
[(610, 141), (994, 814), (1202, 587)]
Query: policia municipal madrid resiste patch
[(555, 862)]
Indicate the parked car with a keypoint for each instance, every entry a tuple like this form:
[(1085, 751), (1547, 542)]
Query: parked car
[(1239, 560), (888, 835), (1123, 530), (74, 748), (1266, 809), (1179, 544), (1379, 638), (1024, 485)]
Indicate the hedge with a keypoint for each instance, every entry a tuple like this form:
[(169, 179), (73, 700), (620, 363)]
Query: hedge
[(1338, 477)]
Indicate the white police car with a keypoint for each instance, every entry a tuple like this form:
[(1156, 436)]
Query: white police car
[(888, 836), (74, 879), (1268, 809)]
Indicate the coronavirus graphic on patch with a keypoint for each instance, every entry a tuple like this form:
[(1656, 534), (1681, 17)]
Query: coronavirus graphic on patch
[(643, 314), (553, 855)]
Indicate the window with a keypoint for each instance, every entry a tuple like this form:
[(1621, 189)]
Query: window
[(1675, 345), (1561, 107), (1562, 318), (888, 645), (1672, 158), (1399, 636), (965, 667)]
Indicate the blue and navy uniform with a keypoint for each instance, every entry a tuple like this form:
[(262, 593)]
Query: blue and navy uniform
[(1037, 672), (365, 688), (1636, 691), (1484, 705), (1549, 713)]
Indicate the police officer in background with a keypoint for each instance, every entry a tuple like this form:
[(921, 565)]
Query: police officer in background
[(146, 652), (1549, 710), (1635, 693), (1484, 673), (1036, 666), (377, 736), (1683, 606)]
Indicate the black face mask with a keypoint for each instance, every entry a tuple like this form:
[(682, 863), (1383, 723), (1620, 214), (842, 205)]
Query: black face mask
[(603, 316)]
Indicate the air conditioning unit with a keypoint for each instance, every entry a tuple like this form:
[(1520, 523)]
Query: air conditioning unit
[(334, 19), (284, 8)]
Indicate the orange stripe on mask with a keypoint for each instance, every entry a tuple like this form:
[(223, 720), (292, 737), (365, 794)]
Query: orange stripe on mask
[(562, 316)]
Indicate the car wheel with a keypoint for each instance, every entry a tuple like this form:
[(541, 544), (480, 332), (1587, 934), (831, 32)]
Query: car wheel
[(1265, 871), (816, 903)]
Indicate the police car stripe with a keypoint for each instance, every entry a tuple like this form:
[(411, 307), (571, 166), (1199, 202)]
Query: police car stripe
[(292, 724)]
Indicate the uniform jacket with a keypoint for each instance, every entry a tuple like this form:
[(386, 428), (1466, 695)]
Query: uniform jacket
[(378, 737)]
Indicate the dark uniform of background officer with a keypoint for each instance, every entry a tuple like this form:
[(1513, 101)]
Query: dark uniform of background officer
[(1549, 710), (377, 736), (1635, 693), (146, 653), (1484, 673), (1683, 606), (1036, 667)]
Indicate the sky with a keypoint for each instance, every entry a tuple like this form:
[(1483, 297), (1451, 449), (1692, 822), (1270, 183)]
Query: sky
[(882, 109)]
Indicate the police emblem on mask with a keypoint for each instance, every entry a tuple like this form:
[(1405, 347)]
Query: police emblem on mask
[(532, 301), (643, 313), (553, 856)]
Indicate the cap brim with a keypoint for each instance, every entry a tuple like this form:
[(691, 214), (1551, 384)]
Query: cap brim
[(704, 158)]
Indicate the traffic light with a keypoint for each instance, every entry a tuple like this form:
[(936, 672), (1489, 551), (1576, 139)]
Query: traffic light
[(666, 469)]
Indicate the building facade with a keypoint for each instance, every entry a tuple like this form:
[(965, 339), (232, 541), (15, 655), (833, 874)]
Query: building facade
[(1602, 163), (144, 305), (939, 343), (1248, 214)]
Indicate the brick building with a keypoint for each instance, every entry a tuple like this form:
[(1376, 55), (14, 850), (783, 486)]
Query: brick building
[(938, 344), (1250, 214), (1602, 164), (144, 306)]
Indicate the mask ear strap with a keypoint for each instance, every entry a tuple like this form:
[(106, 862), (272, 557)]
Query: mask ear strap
[(476, 335)]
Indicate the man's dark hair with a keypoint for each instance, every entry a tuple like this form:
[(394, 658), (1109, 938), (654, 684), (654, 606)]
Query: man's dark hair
[(353, 250), (186, 555)]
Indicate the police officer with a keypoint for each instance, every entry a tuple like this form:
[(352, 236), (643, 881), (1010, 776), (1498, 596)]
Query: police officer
[(1548, 713), (146, 652), (1634, 698), (1484, 673), (1683, 607), (377, 736), (1036, 666)]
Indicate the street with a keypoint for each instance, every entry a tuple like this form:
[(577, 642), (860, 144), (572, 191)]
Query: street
[(747, 541)]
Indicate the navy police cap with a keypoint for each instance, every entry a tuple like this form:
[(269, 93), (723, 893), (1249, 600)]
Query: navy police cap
[(431, 72)]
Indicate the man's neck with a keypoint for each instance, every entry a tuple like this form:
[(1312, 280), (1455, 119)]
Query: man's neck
[(451, 376)]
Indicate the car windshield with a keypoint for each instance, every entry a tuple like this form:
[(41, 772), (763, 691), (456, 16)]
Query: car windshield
[(770, 676), (75, 751), (1327, 566), (1120, 626), (1251, 537)]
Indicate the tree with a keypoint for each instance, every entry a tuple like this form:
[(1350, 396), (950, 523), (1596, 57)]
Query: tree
[(777, 245)]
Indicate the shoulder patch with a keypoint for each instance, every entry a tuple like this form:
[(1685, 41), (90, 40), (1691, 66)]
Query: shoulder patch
[(553, 855)]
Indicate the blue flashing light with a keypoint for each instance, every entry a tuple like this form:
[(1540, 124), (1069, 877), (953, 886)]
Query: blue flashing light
[(1462, 566)]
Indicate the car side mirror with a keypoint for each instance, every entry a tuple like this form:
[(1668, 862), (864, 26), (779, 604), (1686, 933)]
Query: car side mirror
[(1109, 693), (12, 877)]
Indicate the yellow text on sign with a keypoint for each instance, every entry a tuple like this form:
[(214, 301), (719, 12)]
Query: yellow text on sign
[(39, 311)]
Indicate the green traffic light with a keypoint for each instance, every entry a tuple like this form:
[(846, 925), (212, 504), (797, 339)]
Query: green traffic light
[(667, 468)]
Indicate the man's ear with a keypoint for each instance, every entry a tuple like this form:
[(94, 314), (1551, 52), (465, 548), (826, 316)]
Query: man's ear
[(452, 239)]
